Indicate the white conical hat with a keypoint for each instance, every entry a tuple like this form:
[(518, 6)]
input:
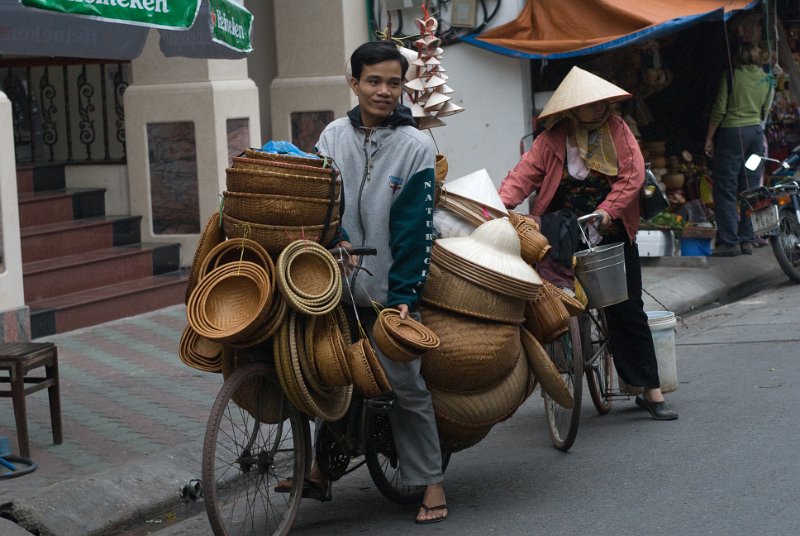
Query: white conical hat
[(436, 99), (581, 87), (494, 245), (429, 122), (449, 108), (415, 85), (417, 110), (434, 81), (476, 186)]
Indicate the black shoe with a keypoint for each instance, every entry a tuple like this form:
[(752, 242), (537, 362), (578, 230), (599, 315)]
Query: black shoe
[(659, 410), (725, 250), (747, 248)]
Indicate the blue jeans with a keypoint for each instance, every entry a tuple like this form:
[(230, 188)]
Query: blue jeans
[(732, 146)]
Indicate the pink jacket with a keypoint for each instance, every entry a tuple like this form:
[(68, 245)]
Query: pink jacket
[(541, 169)]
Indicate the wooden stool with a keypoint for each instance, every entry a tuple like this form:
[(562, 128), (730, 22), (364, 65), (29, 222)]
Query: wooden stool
[(18, 358)]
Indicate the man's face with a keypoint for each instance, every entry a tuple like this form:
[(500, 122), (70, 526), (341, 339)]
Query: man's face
[(378, 91)]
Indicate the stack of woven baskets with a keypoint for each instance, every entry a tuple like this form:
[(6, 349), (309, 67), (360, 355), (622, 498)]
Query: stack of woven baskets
[(276, 199)]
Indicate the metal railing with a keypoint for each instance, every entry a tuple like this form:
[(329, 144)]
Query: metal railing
[(66, 110)]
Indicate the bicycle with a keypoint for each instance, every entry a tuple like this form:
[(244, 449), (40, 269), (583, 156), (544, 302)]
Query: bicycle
[(256, 440), (566, 353)]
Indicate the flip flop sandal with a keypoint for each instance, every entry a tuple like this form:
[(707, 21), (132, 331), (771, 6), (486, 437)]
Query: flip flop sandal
[(311, 490), (429, 509)]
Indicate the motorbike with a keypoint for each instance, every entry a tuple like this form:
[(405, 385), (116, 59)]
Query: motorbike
[(775, 210)]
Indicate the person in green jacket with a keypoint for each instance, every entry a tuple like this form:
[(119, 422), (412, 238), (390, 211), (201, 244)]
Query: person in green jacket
[(735, 132)]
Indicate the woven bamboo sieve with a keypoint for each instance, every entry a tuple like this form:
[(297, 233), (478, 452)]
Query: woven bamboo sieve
[(407, 331), (230, 302), (489, 406), (473, 355), (279, 209), (545, 316), (235, 250), (309, 278), (446, 289), (272, 322), (534, 246), (263, 400), (274, 238), (257, 181), (211, 236), (545, 371)]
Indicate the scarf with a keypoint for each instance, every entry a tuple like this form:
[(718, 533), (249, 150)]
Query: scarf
[(596, 145)]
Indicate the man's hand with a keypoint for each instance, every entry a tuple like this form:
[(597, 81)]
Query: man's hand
[(352, 260), (403, 308)]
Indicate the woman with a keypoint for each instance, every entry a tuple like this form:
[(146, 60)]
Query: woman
[(589, 161), (735, 132)]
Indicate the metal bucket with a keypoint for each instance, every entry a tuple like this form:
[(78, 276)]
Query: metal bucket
[(601, 272)]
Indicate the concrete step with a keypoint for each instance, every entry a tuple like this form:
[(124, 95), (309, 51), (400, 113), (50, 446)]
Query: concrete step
[(98, 305), (40, 177), (97, 268), (53, 206), (41, 242)]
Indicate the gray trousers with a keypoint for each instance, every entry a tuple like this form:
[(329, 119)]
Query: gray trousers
[(413, 421), (732, 146)]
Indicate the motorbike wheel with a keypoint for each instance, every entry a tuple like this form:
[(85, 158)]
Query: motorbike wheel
[(786, 244)]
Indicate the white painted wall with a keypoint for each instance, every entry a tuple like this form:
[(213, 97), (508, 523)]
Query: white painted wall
[(11, 294)]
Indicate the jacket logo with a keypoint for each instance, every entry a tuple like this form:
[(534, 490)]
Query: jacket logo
[(395, 183)]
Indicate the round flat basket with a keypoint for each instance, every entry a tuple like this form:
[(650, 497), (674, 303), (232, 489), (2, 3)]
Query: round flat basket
[(259, 181), (325, 347), (274, 238), (309, 278), (473, 355), (487, 407), (391, 348), (211, 236), (545, 371), (288, 159), (230, 302), (240, 249), (408, 331), (279, 209), (363, 379), (448, 290), (252, 161), (199, 352)]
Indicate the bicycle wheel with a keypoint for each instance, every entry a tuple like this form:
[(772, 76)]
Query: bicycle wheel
[(598, 363), (245, 458), (384, 465), (786, 244), (562, 423)]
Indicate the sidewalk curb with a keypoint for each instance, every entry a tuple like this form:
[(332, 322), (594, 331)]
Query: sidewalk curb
[(108, 501)]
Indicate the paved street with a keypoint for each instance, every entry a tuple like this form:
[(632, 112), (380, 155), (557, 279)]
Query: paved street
[(728, 466)]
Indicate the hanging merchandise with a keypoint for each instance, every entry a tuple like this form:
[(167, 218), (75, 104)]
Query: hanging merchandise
[(431, 97)]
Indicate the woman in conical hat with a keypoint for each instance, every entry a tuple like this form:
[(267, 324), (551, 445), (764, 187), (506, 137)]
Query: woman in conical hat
[(589, 161)]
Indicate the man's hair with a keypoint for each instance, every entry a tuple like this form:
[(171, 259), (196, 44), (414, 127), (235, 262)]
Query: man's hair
[(374, 52), (748, 54)]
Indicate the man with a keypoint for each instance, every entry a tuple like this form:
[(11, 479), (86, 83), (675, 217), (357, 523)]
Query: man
[(387, 168)]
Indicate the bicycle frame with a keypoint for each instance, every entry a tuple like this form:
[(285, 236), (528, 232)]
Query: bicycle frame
[(607, 391)]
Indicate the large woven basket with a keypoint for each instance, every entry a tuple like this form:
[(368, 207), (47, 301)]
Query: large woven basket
[(447, 289), (279, 209), (278, 183), (262, 399), (486, 407), (293, 168), (230, 303), (545, 316), (240, 249), (288, 159), (473, 354), (534, 246), (211, 236), (274, 238), (456, 436)]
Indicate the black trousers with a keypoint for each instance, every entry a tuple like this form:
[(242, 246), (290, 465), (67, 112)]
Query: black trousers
[(629, 334)]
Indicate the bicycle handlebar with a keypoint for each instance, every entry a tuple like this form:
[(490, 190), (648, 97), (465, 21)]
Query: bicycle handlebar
[(356, 250), (590, 217)]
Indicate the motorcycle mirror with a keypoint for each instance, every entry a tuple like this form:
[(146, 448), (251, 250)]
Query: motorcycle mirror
[(754, 161)]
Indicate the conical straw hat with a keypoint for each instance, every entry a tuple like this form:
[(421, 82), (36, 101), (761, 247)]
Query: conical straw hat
[(476, 186), (494, 245), (581, 87)]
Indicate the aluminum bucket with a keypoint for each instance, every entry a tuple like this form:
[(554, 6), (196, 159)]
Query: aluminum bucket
[(601, 272)]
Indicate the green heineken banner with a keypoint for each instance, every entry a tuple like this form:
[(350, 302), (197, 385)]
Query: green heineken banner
[(175, 14), (230, 24)]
